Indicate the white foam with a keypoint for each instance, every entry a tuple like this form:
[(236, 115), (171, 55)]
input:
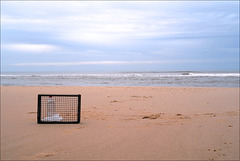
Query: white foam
[(215, 74), (55, 117), (160, 74)]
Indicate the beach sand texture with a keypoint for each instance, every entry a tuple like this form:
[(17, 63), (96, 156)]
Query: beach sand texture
[(124, 123)]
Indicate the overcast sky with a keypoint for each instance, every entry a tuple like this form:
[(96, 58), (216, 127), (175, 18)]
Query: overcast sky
[(119, 36)]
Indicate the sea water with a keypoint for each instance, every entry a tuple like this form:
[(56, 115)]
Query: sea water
[(155, 79)]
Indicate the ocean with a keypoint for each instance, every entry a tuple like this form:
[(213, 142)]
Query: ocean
[(154, 79)]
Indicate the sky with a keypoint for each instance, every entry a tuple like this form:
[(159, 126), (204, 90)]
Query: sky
[(120, 36)]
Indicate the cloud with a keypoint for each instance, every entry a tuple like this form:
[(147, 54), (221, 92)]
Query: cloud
[(114, 62), (33, 48), (14, 21), (115, 22), (139, 32), (83, 63)]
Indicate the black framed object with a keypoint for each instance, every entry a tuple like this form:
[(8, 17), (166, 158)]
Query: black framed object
[(58, 109)]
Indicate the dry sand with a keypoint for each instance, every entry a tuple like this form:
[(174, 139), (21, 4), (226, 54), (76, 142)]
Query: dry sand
[(124, 123)]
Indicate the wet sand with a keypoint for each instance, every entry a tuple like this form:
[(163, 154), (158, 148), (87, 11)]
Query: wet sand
[(124, 123)]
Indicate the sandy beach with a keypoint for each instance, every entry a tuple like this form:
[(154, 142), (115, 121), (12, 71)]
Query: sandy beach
[(124, 123)]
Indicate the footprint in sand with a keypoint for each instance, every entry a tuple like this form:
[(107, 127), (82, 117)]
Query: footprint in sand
[(168, 119), (233, 113), (180, 116), (114, 101), (210, 114), (139, 97), (69, 131), (152, 116), (32, 112), (79, 127), (44, 155)]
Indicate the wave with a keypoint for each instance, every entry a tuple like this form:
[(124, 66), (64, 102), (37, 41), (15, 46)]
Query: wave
[(146, 74), (214, 74), (169, 79)]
